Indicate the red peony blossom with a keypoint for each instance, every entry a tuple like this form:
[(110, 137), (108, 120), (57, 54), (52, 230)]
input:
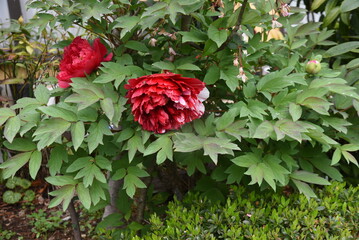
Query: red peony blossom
[(161, 102), (80, 58)]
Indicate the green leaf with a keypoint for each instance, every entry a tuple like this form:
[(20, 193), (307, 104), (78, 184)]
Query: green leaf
[(337, 155), (353, 63), (35, 163), (218, 36), (166, 152), (341, 49), (5, 113), (348, 5), (304, 188), (119, 174), (193, 36), (20, 144), (164, 65), (49, 131), (331, 17), (12, 127), (188, 66), (96, 132), (319, 105), (316, 4), (84, 98), (103, 163), (113, 72), (107, 107), (57, 157), (295, 111), (127, 23), (187, 142), (227, 118), (235, 174), (131, 182), (246, 160), (213, 146), (309, 178), (42, 94), (88, 173), (12, 165), (63, 195), (61, 180), (58, 112), (264, 130), (84, 195), (79, 164), (212, 75), (138, 46), (134, 144), (11, 197), (350, 158), (78, 134)]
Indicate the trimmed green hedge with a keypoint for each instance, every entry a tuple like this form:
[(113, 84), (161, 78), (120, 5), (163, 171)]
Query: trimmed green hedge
[(252, 215)]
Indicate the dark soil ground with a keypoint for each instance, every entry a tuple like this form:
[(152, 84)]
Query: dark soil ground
[(16, 222)]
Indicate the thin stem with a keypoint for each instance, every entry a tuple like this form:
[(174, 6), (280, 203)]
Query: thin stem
[(75, 221), (236, 28)]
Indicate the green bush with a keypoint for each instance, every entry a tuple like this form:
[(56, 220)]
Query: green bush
[(253, 215)]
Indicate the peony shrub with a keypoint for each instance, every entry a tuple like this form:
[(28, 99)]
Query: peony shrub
[(212, 89)]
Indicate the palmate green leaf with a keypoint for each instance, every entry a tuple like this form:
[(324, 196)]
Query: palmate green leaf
[(187, 142), (127, 23), (218, 36), (63, 195), (136, 45), (174, 8), (337, 123), (309, 178), (235, 174), (12, 127), (35, 163), (84, 98), (88, 173), (134, 144), (275, 81), (163, 147), (113, 72), (58, 112), (322, 163), (84, 195), (119, 174), (193, 161), (131, 182), (290, 128), (49, 130), (103, 163), (12, 165), (227, 118)]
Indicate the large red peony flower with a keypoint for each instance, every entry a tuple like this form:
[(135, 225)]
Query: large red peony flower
[(161, 102), (80, 58)]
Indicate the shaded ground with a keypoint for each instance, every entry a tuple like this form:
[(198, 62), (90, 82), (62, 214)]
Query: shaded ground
[(35, 221)]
